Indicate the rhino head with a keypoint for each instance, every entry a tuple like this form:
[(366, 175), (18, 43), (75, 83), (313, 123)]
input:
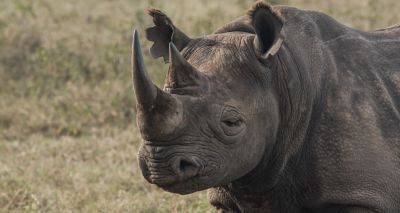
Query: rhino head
[(218, 113)]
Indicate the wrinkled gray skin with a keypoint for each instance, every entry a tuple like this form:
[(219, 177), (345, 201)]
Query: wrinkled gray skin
[(282, 110)]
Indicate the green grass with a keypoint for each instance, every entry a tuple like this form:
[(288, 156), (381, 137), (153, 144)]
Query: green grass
[(68, 139)]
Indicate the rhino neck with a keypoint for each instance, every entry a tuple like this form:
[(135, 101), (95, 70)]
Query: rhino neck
[(275, 171)]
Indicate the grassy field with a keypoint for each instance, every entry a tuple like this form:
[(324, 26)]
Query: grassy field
[(68, 139)]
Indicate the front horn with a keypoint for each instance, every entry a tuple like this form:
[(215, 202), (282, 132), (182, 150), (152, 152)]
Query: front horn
[(158, 112), (145, 90)]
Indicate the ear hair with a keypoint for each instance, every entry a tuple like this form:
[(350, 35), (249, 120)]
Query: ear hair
[(163, 33), (256, 6), (159, 18)]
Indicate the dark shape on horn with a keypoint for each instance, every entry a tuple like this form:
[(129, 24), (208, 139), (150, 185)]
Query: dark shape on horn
[(145, 90), (162, 33), (181, 74)]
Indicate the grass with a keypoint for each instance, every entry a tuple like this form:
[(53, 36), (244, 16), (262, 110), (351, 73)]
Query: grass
[(68, 139), (94, 173)]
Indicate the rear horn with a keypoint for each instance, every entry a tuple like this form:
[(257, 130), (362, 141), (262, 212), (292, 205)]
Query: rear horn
[(181, 73)]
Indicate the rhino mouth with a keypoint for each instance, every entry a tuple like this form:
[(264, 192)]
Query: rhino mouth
[(176, 173)]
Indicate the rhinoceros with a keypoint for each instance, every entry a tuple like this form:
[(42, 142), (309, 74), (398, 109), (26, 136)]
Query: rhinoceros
[(281, 110)]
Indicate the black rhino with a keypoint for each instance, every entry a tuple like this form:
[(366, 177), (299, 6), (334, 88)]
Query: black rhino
[(281, 110)]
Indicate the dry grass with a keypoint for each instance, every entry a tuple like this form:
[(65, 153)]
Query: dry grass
[(68, 141), (96, 173)]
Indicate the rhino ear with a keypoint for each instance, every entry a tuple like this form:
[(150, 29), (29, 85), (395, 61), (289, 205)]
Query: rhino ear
[(267, 26), (162, 34)]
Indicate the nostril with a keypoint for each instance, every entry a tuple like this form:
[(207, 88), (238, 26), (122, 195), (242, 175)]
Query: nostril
[(185, 168)]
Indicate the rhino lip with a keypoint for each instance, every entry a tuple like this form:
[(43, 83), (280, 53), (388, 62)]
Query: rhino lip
[(182, 187), (170, 179), (176, 186), (163, 183), (166, 185)]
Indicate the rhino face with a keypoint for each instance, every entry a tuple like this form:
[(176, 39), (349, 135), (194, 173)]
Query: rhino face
[(216, 116)]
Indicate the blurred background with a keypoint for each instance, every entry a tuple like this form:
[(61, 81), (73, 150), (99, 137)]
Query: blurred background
[(68, 139)]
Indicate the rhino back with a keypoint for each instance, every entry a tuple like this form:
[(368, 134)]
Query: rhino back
[(355, 142)]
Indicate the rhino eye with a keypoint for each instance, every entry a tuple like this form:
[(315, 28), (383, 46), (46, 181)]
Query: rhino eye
[(231, 122)]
